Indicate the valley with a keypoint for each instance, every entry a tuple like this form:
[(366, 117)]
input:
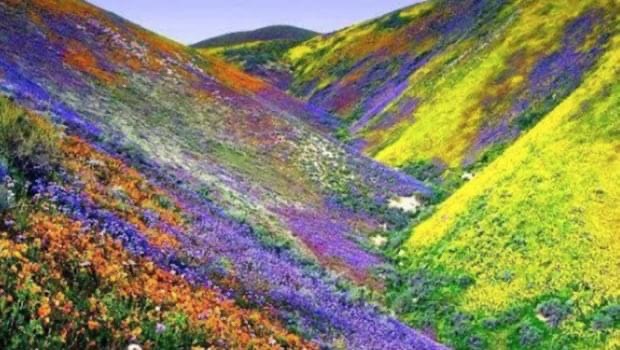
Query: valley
[(445, 176)]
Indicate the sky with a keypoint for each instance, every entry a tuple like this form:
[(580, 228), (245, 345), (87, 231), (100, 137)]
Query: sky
[(190, 21)]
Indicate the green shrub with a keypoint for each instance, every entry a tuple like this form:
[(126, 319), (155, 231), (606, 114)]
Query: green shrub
[(554, 311), (27, 143), (5, 198), (606, 318), (529, 336)]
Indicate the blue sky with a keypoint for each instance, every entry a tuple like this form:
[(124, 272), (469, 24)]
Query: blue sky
[(189, 21)]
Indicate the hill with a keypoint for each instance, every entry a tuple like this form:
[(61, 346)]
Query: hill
[(170, 191), (155, 194), (270, 33), (260, 53), (264, 59), (515, 102), (443, 87), (524, 254)]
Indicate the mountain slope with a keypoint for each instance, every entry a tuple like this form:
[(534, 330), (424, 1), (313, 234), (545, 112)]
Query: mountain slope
[(526, 253), (278, 215), (270, 33), (68, 284), (177, 200), (447, 85), (261, 52), (522, 256), (264, 59), (236, 136)]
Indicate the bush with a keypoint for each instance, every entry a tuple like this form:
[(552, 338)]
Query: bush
[(554, 311), (529, 336), (606, 318), (27, 143)]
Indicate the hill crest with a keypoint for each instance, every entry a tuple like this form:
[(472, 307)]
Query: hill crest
[(269, 33)]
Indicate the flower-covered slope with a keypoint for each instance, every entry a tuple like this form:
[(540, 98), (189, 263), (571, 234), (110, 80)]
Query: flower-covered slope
[(213, 183), (265, 59), (231, 137), (87, 255), (527, 254), (93, 255), (449, 84)]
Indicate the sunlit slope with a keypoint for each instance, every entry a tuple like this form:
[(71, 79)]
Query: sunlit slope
[(527, 254), (275, 213), (87, 255), (261, 52), (262, 156), (443, 83)]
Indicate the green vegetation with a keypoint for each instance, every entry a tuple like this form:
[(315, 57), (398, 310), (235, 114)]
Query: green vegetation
[(257, 54), (282, 32), (26, 143)]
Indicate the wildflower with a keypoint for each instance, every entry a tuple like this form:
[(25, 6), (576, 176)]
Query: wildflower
[(44, 310), (379, 241), (93, 325), (134, 347), (467, 176), (136, 332), (160, 328)]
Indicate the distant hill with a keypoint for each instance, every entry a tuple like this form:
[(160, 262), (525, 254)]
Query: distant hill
[(279, 32)]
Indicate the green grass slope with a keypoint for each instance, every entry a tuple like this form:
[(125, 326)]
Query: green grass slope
[(527, 254), (278, 32)]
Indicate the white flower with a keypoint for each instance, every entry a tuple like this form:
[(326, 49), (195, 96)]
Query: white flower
[(379, 241), (406, 204), (467, 176), (134, 347)]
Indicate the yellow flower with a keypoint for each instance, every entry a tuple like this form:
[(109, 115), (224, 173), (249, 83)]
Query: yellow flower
[(44, 310)]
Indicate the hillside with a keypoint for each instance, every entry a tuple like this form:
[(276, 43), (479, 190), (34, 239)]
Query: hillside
[(264, 59), (84, 259), (445, 174), (191, 172), (527, 253), (445, 86), (270, 33), (260, 53), (515, 103)]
